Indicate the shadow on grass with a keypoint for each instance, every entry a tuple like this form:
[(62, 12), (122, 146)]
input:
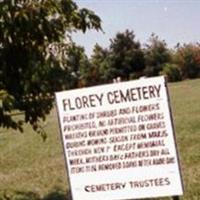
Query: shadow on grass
[(57, 194), (19, 195)]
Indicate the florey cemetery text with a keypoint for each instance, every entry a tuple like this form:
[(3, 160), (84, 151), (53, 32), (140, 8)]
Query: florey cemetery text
[(117, 130)]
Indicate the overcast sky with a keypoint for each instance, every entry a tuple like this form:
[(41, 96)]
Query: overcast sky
[(172, 20)]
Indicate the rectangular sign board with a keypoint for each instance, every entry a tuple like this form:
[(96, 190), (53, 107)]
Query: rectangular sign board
[(119, 141)]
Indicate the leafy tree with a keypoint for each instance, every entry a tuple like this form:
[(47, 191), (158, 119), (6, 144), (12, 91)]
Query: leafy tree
[(36, 55), (126, 57), (188, 59), (156, 55), (123, 58), (172, 72), (78, 65), (100, 69)]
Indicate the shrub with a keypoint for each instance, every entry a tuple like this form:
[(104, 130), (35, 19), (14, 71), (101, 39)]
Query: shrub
[(188, 60), (172, 72)]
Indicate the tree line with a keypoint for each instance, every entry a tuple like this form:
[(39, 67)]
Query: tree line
[(38, 58), (125, 57)]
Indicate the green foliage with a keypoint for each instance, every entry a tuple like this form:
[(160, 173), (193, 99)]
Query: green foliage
[(126, 56), (36, 55), (74, 62), (172, 72), (156, 55), (6, 107), (188, 59), (100, 69)]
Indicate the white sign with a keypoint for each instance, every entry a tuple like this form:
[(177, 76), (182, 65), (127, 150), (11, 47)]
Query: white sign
[(119, 141)]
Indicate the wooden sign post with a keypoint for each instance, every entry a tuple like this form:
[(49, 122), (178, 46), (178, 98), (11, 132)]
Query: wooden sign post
[(119, 141)]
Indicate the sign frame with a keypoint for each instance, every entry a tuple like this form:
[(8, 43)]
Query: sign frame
[(172, 127)]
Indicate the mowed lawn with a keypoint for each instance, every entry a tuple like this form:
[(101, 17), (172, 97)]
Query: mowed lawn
[(31, 169)]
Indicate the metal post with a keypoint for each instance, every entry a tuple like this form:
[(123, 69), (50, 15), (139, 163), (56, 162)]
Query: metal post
[(175, 198)]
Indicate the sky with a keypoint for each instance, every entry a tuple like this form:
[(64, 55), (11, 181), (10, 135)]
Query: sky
[(175, 21)]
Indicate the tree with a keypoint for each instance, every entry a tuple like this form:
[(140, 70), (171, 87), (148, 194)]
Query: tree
[(78, 65), (172, 72), (34, 49), (187, 58), (123, 58), (156, 56), (126, 57), (100, 69)]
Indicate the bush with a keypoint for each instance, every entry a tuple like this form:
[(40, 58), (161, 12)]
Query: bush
[(188, 59), (172, 72)]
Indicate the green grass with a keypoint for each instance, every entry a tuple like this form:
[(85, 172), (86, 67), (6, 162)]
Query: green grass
[(28, 165), (31, 169), (185, 98)]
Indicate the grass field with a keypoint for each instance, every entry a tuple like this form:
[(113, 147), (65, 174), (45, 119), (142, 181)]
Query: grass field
[(31, 169)]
